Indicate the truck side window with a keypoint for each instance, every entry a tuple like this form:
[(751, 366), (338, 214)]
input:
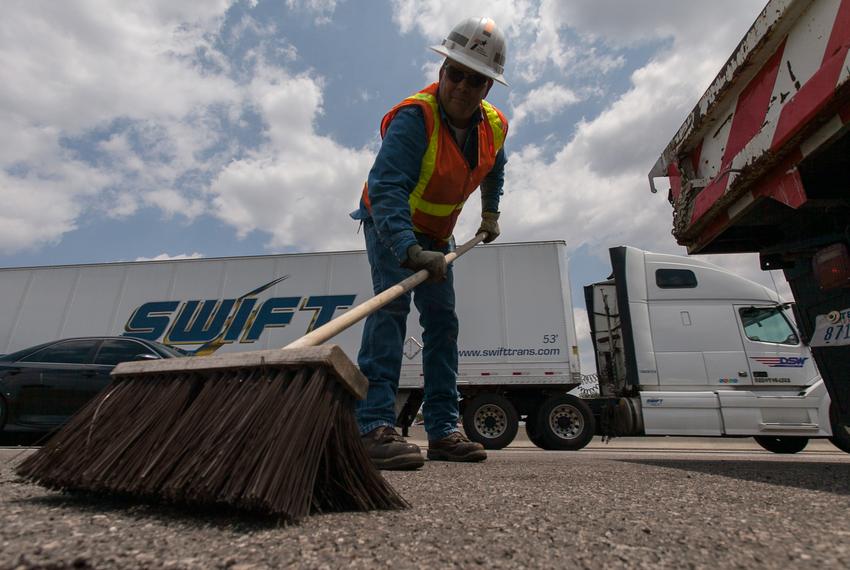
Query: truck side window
[(767, 324), (675, 279)]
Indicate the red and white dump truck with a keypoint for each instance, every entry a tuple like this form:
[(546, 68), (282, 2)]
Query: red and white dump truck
[(762, 164)]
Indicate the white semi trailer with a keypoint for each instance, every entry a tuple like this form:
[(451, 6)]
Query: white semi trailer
[(518, 347)]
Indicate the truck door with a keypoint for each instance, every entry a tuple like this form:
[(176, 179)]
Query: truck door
[(775, 353)]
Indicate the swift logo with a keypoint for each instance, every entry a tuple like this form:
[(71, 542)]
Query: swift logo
[(781, 361), (213, 323)]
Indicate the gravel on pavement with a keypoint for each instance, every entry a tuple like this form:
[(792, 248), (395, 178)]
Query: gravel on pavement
[(522, 508)]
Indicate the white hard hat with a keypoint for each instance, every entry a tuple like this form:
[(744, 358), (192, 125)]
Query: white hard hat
[(477, 44)]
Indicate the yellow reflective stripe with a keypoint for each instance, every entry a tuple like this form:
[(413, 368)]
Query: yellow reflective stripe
[(429, 160), (496, 124), (434, 208)]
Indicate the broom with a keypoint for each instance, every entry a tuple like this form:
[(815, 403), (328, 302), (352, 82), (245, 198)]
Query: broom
[(270, 432)]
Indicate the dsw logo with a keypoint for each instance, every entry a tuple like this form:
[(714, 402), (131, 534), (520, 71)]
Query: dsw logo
[(781, 361)]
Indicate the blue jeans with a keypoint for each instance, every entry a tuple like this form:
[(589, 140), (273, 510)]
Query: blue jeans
[(383, 339)]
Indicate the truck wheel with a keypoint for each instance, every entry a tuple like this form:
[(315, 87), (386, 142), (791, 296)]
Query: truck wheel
[(565, 423), (840, 430), (491, 420), (531, 430), (782, 444)]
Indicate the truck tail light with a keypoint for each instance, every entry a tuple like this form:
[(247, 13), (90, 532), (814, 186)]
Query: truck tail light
[(831, 266)]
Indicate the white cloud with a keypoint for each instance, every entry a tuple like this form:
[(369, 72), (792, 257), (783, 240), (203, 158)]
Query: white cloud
[(173, 203), (623, 23), (120, 204), (69, 69), (542, 103), (74, 66), (322, 9), (167, 257), (39, 207), (296, 197), (435, 18), (288, 188)]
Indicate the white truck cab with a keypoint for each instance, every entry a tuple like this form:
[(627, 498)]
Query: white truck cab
[(684, 347)]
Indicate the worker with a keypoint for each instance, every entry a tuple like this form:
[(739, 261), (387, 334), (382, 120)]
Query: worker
[(438, 146)]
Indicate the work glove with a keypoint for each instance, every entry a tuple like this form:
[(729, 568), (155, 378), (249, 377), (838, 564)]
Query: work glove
[(489, 225), (433, 261)]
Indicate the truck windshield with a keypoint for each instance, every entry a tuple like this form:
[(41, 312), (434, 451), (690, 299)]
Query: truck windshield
[(767, 324)]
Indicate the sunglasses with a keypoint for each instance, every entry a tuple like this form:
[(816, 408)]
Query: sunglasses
[(455, 75)]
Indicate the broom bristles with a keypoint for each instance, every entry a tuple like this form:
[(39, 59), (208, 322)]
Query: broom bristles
[(272, 440)]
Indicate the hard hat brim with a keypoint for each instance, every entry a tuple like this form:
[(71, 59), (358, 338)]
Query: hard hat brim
[(471, 64)]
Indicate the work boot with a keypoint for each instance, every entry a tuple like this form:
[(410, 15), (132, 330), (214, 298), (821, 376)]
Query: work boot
[(390, 451), (455, 447)]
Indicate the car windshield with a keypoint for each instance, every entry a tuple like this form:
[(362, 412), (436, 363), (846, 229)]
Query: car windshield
[(15, 356), (171, 351)]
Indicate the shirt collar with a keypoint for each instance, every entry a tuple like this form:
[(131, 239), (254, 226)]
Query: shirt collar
[(476, 117)]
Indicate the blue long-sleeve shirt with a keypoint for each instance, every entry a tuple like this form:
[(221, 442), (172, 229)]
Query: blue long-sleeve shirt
[(396, 171)]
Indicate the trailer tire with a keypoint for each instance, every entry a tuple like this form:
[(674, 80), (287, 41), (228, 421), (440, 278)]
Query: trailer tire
[(782, 443), (531, 430), (565, 423), (840, 430), (491, 420)]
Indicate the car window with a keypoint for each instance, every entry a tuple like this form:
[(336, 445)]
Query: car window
[(65, 352), (114, 351), (767, 324)]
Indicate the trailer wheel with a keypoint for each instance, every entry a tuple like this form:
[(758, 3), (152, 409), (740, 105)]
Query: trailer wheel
[(565, 423), (491, 420), (782, 444), (840, 430)]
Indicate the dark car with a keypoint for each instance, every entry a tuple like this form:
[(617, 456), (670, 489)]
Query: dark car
[(41, 387)]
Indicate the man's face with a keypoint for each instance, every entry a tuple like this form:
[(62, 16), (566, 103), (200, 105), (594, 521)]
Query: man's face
[(461, 92)]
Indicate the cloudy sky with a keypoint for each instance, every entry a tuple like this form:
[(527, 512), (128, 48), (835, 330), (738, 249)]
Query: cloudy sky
[(168, 128)]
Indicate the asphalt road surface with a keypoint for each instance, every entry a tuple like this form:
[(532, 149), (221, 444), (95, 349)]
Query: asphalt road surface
[(633, 503)]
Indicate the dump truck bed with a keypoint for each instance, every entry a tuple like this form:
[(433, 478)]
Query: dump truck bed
[(782, 96)]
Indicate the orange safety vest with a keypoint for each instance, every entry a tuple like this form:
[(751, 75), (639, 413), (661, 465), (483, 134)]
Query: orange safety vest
[(445, 179)]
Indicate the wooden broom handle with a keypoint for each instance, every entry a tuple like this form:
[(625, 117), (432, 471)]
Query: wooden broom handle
[(369, 306)]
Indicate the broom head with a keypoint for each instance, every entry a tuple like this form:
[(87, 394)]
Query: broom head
[(271, 432)]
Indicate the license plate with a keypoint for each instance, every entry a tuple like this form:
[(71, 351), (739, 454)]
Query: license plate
[(832, 329)]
